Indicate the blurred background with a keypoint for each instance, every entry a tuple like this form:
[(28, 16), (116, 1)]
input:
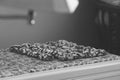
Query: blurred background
[(78, 27)]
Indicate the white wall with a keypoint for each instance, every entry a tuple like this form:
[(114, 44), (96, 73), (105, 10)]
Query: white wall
[(49, 25)]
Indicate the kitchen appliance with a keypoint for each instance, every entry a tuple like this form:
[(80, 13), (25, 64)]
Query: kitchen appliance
[(108, 18)]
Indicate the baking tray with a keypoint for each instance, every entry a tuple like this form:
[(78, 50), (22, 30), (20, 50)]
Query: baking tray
[(70, 72)]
